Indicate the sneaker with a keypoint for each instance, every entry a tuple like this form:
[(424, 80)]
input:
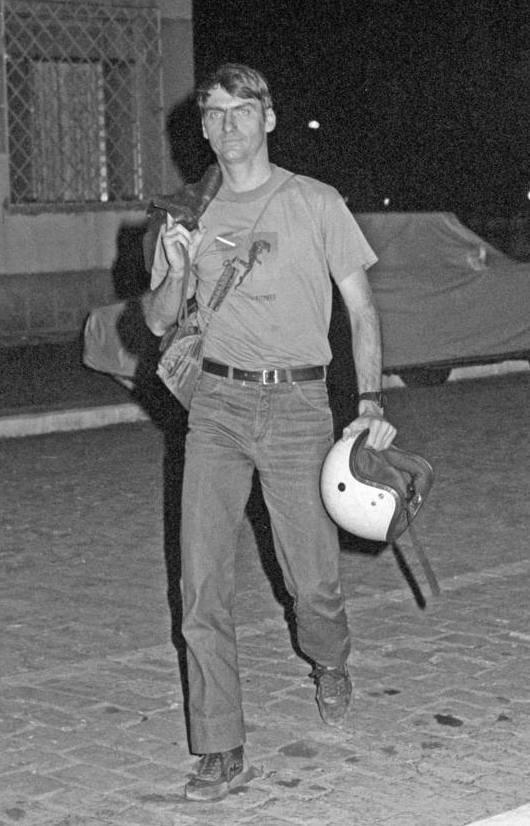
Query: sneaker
[(334, 691), (217, 773)]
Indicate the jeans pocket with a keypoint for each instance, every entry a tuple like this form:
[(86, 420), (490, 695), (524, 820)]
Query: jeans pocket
[(313, 394)]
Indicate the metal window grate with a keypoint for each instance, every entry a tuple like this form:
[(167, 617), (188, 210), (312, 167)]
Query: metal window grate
[(84, 107)]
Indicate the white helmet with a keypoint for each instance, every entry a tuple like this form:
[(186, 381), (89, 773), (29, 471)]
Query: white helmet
[(373, 494)]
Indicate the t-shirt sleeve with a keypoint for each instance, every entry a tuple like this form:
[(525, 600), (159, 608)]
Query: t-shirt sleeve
[(345, 245)]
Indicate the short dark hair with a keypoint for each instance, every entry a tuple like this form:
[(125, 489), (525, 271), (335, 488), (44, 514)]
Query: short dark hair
[(238, 80)]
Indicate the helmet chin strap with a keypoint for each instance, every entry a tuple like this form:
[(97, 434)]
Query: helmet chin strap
[(376, 495), (407, 572)]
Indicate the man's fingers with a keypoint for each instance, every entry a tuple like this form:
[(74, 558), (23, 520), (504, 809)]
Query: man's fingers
[(177, 233), (381, 433)]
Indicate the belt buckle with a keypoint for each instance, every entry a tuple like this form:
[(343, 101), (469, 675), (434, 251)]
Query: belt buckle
[(270, 376)]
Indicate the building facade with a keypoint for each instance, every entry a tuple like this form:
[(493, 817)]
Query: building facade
[(87, 88)]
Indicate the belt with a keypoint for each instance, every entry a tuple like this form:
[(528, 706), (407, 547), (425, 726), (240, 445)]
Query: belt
[(274, 376)]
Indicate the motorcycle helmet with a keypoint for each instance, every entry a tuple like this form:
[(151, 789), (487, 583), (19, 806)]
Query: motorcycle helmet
[(373, 494)]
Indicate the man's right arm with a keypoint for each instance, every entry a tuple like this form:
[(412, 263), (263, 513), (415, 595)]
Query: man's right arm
[(160, 306)]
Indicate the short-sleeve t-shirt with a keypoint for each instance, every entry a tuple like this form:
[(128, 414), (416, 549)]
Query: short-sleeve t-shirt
[(284, 249)]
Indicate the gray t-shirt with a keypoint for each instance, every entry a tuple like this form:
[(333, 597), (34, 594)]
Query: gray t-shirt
[(284, 249)]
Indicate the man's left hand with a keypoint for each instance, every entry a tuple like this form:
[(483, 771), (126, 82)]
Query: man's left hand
[(381, 435)]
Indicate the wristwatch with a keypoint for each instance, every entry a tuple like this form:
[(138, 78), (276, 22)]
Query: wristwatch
[(376, 396)]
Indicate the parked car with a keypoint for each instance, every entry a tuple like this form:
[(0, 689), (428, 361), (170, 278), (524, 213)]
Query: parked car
[(447, 298)]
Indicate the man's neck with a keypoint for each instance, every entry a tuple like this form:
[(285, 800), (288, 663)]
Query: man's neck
[(245, 177)]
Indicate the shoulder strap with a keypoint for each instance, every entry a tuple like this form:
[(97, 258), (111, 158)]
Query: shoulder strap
[(269, 199), (308, 206)]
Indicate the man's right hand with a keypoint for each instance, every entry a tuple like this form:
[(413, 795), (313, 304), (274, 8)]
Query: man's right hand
[(176, 237)]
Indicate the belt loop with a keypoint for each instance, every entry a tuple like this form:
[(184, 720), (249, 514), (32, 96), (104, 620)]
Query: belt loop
[(230, 375), (289, 376)]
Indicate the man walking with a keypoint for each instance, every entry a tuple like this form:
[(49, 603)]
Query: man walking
[(261, 403)]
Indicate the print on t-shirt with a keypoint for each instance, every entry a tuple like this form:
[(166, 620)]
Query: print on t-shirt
[(257, 248), (250, 253)]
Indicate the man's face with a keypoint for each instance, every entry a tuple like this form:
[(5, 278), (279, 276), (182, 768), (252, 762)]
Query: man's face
[(236, 127)]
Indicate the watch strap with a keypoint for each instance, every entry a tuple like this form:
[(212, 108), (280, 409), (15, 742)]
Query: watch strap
[(373, 396)]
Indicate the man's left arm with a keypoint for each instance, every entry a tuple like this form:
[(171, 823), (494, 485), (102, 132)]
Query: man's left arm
[(367, 357)]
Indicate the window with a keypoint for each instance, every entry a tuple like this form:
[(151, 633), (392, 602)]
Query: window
[(84, 109)]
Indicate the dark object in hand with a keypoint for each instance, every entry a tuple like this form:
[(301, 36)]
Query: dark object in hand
[(185, 206)]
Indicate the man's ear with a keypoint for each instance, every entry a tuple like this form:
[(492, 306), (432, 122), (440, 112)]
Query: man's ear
[(270, 119)]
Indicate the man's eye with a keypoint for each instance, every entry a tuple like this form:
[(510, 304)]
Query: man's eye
[(245, 111), (215, 114)]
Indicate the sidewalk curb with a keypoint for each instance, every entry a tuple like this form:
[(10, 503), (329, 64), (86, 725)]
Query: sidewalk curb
[(515, 817), (36, 423), (80, 418)]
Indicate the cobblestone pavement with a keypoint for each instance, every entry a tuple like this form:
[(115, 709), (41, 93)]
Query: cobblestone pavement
[(91, 707)]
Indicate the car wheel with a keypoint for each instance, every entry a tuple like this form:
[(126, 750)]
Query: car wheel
[(424, 376)]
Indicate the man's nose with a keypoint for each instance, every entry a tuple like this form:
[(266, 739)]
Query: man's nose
[(228, 120)]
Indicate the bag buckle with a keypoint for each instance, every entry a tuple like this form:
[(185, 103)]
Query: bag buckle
[(270, 376)]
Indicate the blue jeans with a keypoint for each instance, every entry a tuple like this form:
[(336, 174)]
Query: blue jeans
[(284, 431)]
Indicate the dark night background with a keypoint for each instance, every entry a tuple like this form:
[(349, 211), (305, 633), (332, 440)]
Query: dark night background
[(424, 103)]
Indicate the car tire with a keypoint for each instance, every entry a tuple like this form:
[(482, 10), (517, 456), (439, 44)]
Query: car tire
[(424, 376)]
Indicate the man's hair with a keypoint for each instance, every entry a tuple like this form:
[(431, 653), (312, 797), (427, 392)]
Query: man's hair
[(238, 80)]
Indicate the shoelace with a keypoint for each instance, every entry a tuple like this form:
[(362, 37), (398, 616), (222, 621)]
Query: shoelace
[(210, 766)]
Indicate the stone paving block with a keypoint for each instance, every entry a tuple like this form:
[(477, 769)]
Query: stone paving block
[(155, 775), (287, 707), (30, 813), (476, 695), (79, 801), (139, 703), (102, 756), (321, 812), (128, 672), (262, 690), (230, 812), (290, 667), (480, 804), (14, 724), (505, 782), (157, 687), (143, 816), (41, 695), (85, 685), (29, 783), (161, 725), (130, 738), (294, 783), (262, 738), (309, 748), (460, 664), (400, 701), (45, 761), (92, 777), (110, 715), (52, 739), (169, 754), (263, 819), (53, 718)]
